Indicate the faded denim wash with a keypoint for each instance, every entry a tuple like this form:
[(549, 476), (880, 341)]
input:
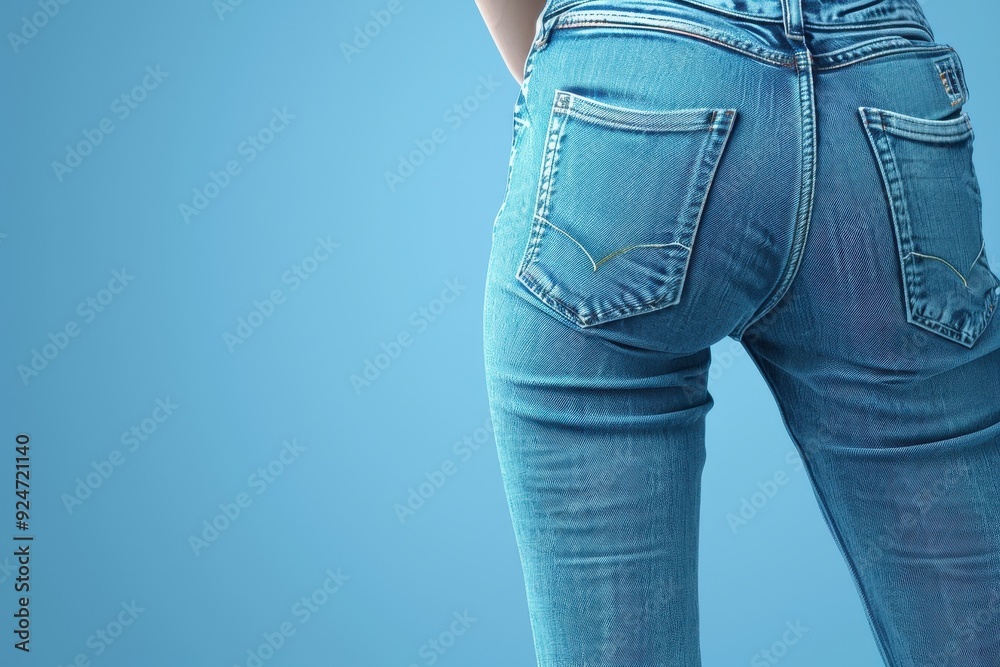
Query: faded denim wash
[(796, 175)]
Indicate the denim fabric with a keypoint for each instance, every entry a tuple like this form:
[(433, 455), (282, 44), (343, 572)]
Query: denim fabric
[(796, 175)]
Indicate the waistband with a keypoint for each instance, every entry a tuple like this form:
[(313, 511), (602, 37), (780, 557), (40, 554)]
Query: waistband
[(815, 14)]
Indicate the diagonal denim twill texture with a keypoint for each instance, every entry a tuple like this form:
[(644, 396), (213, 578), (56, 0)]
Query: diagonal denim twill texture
[(798, 176)]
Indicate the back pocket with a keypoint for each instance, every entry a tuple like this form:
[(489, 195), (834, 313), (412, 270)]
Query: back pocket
[(936, 207), (620, 195)]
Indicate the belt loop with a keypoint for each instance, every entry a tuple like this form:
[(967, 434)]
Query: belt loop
[(542, 30), (543, 26), (794, 20)]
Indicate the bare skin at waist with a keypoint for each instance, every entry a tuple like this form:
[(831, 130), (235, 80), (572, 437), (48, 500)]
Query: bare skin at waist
[(512, 25)]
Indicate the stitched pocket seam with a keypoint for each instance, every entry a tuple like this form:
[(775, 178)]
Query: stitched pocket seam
[(966, 325), (714, 124)]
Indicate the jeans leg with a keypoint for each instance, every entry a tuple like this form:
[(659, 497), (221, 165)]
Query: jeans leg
[(898, 425), (601, 447), (908, 480)]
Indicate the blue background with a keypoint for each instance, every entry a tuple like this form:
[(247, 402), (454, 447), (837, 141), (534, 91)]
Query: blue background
[(125, 537)]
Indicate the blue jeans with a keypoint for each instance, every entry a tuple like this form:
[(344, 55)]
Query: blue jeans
[(796, 175)]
